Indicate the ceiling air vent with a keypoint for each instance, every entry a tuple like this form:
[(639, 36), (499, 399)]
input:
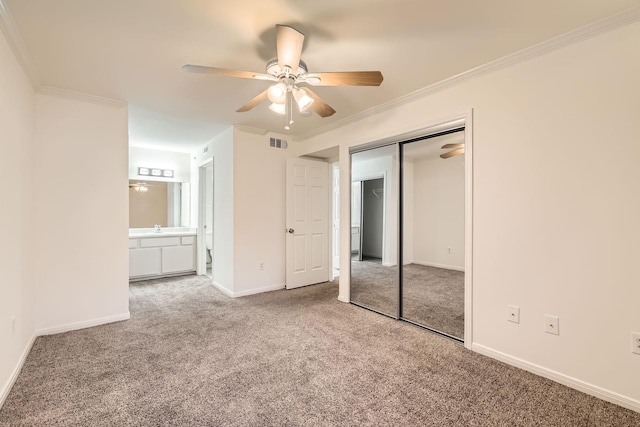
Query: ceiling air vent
[(278, 143)]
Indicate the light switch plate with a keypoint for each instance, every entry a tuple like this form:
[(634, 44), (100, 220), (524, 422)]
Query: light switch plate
[(635, 342), (551, 324), (513, 313)]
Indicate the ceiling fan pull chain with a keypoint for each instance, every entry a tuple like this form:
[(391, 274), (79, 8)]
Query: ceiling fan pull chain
[(287, 115)]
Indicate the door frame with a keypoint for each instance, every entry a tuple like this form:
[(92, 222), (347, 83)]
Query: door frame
[(201, 238)]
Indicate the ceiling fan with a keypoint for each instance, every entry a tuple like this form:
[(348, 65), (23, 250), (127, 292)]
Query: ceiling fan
[(457, 150), (287, 71)]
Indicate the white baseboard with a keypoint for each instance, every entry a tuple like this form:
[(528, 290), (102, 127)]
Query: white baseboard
[(253, 291), (6, 388), (343, 298), (445, 266), (84, 324), (574, 383), (259, 290), (222, 289)]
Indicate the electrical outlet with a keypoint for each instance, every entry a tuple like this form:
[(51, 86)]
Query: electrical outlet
[(261, 265), (513, 313), (635, 342), (13, 325), (551, 324), (449, 251)]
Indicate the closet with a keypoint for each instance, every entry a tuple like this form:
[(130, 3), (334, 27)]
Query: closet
[(408, 236)]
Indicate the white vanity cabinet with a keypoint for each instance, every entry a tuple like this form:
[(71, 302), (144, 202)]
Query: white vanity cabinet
[(157, 256)]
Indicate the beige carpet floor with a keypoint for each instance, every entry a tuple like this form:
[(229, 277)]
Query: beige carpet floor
[(432, 297), (190, 356)]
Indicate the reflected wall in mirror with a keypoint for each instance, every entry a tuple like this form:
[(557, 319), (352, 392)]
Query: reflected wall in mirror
[(158, 202), (374, 271)]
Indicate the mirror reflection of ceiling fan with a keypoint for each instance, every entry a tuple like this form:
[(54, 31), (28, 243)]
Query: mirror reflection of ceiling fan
[(140, 187), (288, 71), (457, 150)]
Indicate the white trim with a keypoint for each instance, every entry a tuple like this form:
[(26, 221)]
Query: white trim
[(201, 237), (571, 37), (342, 298), (583, 386), (468, 228), (259, 290), (6, 388), (248, 291), (221, 288), (251, 129), (435, 264), (83, 324), (16, 43), (70, 94)]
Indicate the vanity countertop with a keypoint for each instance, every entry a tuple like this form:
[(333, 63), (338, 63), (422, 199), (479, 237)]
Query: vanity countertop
[(169, 232)]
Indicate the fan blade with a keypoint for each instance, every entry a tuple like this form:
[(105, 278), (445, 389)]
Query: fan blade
[(226, 72), (255, 101), (453, 145), (452, 153), (289, 45), (319, 106), (345, 78)]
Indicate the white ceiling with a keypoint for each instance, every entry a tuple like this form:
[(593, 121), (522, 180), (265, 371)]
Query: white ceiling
[(133, 50)]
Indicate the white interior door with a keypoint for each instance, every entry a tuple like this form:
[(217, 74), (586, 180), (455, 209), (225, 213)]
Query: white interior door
[(307, 222)]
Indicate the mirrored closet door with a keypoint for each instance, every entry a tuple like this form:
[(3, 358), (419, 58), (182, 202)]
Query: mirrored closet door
[(374, 232), (408, 210), (433, 212)]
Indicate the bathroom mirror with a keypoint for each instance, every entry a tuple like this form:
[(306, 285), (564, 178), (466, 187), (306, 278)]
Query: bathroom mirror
[(158, 202)]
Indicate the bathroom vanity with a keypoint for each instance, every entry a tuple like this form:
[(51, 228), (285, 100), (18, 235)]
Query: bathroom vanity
[(169, 252)]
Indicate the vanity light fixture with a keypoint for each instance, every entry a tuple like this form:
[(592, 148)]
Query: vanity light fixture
[(166, 173)]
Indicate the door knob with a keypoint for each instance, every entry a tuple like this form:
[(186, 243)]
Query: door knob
[(290, 230)]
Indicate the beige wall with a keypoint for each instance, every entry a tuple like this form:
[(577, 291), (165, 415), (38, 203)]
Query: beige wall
[(259, 213), (438, 212), (556, 174), (81, 221), (17, 287)]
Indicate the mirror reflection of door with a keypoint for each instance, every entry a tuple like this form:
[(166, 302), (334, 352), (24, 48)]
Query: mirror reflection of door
[(374, 271), (433, 233)]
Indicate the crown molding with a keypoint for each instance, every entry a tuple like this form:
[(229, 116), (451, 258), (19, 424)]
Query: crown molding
[(70, 94), (250, 129), (569, 38), (15, 41)]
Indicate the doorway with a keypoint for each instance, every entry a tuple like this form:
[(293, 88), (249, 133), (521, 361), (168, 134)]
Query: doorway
[(372, 220)]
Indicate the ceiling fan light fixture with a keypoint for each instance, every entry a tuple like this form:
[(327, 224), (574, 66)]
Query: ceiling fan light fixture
[(277, 93), (303, 100), (278, 108), (313, 80)]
